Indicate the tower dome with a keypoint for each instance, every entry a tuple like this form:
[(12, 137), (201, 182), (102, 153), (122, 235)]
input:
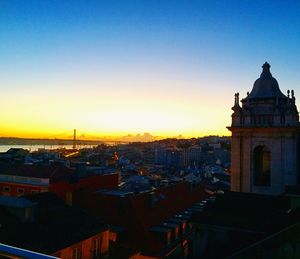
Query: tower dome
[(266, 105), (266, 86), (265, 139)]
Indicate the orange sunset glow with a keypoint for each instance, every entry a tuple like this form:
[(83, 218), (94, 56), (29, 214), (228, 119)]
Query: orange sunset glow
[(170, 71)]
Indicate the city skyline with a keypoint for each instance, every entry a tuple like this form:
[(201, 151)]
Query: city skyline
[(113, 68)]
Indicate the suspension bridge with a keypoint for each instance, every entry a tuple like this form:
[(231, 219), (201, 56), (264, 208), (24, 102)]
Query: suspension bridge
[(81, 139)]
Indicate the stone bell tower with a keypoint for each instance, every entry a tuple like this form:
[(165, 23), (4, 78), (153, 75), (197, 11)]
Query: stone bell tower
[(265, 138)]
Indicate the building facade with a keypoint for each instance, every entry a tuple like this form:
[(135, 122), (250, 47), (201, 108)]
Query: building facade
[(265, 138), (154, 224), (63, 181)]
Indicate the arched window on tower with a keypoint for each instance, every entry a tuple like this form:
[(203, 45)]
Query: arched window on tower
[(262, 166)]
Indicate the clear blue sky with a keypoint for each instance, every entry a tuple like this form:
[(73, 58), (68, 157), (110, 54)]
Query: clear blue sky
[(77, 64)]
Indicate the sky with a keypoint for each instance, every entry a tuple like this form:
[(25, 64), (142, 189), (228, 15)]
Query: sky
[(112, 68)]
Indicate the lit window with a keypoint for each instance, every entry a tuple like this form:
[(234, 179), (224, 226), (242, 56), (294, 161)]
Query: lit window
[(183, 227)]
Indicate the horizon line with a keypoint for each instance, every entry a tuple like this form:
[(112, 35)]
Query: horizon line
[(95, 140)]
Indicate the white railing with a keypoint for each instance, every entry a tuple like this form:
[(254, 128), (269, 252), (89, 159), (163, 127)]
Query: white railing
[(22, 253)]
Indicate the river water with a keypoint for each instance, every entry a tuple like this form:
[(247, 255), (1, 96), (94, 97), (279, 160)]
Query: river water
[(4, 148)]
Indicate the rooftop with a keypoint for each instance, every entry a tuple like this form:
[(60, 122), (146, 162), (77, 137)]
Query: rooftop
[(244, 218), (55, 226)]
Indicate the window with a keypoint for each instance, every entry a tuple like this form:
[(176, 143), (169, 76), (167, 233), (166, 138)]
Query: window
[(27, 214), (77, 252), (6, 189), (97, 247), (34, 191), (20, 191), (69, 198), (262, 166), (168, 237), (183, 227)]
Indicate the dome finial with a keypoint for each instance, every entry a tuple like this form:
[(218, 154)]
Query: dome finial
[(266, 86), (266, 66), (266, 70)]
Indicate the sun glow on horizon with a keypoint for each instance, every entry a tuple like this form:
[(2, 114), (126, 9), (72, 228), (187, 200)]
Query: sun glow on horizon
[(101, 113), (113, 68)]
